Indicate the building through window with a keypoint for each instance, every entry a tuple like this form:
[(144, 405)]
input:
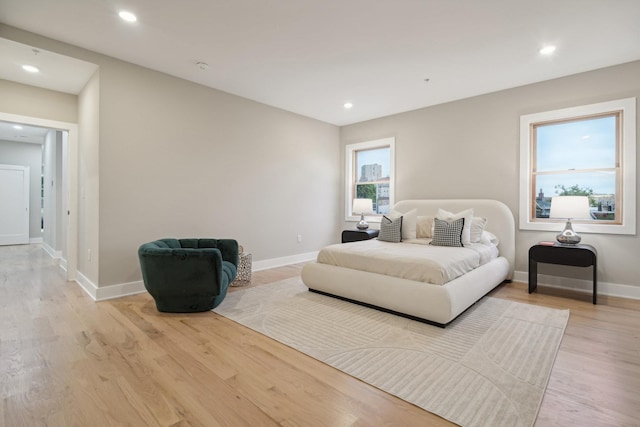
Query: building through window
[(370, 174), (581, 151), (578, 157)]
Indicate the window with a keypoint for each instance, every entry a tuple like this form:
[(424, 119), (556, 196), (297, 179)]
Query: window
[(589, 151), (370, 175)]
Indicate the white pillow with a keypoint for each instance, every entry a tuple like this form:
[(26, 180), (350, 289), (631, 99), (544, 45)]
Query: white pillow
[(409, 220), (488, 237), (424, 227), (466, 214), (477, 227)]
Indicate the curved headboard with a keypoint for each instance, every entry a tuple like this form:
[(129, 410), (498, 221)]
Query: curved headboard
[(499, 219)]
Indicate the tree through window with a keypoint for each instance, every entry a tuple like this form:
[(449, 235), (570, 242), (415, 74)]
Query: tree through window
[(578, 157), (370, 174), (588, 150)]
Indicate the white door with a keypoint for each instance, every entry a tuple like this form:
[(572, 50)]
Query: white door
[(14, 205)]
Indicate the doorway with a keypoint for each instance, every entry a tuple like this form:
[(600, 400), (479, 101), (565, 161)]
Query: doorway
[(14, 209), (70, 184)]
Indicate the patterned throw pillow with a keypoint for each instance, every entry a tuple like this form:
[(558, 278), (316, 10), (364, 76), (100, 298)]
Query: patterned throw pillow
[(390, 230), (447, 233), (467, 214)]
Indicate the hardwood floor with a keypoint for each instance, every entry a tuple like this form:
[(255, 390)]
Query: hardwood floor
[(68, 361)]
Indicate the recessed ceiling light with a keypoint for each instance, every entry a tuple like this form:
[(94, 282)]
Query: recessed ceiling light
[(348, 105), (30, 68), (547, 50), (202, 65), (127, 16), (17, 127)]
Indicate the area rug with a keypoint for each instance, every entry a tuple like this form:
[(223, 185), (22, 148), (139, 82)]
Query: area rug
[(489, 367)]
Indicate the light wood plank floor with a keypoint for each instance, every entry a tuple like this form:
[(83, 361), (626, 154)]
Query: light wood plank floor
[(68, 361)]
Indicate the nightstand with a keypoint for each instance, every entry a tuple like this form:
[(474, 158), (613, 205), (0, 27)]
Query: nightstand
[(573, 255), (356, 235)]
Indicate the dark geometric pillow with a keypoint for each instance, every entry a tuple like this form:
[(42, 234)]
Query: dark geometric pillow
[(447, 233), (390, 230)]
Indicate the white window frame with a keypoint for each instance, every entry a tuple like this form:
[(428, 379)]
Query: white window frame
[(627, 168), (350, 150)]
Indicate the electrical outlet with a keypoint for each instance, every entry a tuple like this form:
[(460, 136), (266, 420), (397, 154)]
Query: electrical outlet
[(88, 254), (299, 238)]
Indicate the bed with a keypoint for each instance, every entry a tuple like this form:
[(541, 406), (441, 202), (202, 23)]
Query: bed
[(403, 290)]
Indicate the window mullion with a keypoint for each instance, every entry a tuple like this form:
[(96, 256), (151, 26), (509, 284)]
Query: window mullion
[(599, 141)]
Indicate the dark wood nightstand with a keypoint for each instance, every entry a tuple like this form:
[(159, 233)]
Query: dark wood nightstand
[(356, 235), (573, 255)]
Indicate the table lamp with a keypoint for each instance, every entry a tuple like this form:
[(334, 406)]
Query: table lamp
[(569, 207), (362, 206)]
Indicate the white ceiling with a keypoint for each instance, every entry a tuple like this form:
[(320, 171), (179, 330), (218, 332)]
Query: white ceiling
[(57, 72), (311, 56), (31, 134)]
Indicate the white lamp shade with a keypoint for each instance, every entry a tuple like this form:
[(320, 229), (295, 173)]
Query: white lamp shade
[(570, 207), (362, 206)]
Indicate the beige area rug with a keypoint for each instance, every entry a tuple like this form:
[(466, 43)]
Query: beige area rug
[(489, 367)]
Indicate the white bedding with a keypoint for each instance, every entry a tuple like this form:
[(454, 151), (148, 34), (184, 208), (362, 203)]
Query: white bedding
[(409, 260), (438, 304)]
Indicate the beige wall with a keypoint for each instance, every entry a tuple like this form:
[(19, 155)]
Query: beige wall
[(89, 179), (178, 159), (470, 149), (50, 167), (53, 215), (165, 157), (25, 100)]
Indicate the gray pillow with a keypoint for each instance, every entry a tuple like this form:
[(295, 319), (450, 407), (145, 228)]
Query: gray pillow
[(447, 233), (390, 230)]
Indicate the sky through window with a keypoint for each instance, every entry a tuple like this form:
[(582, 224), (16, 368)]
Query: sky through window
[(567, 148)]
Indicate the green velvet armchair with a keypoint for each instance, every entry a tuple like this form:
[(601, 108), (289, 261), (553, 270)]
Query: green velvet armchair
[(188, 275)]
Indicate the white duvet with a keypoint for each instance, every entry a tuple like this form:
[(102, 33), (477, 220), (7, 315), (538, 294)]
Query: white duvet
[(419, 262)]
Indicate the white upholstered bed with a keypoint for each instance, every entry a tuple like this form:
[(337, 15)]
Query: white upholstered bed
[(409, 296)]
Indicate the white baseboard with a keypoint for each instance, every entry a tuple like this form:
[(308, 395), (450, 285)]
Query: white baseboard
[(287, 260), (102, 293), (121, 290), (35, 239), (131, 288), (109, 292), (87, 285), (586, 286), (52, 252), (63, 264)]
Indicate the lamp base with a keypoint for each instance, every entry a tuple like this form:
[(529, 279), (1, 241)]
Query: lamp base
[(568, 236), (362, 225)]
